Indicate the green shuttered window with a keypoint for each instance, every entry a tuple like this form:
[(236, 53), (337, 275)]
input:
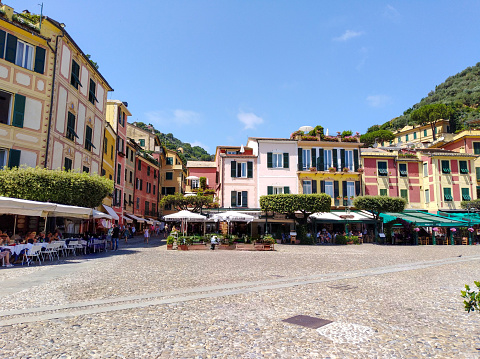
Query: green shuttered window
[(14, 158), (39, 60), (19, 111)]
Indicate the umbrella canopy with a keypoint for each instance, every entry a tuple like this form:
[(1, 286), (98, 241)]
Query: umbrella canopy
[(231, 216), (306, 128), (192, 178), (22, 206), (111, 212), (185, 215), (62, 210), (98, 214)]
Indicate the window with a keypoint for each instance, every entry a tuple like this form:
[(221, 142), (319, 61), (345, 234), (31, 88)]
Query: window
[(24, 56), (447, 194), (277, 190), (67, 164), (124, 119), (125, 175), (427, 196), (307, 187), (425, 133), (231, 152), (404, 194), (141, 184), (403, 170), (168, 190), (138, 203), (476, 148), (445, 167), (414, 135), (120, 145), (466, 194), (142, 142), (195, 183), (119, 172), (406, 138), (91, 92), (274, 160), (5, 105), (103, 172), (350, 192), (328, 160), (148, 170), (14, 158), (239, 199), (242, 169), (139, 165), (383, 192), (425, 169), (306, 159), (329, 188), (130, 202), (463, 167), (131, 177), (154, 189), (349, 160), (3, 158), (169, 176), (169, 160), (147, 207), (86, 169), (71, 127), (477, 170), (382, 168), (105, 145), (88, 139), (149, 187), (19, 111), (154, 173), (75, 76)]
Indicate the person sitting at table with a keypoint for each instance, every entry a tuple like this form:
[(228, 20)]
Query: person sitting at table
[(41, 237), (17, 237), (30, 238), (4, 238), (5, 255), (49, 237)]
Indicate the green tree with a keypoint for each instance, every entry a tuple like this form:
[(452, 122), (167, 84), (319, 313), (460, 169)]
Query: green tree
[(369, 138), (192, 203), (475, 203), (203, 183), (291, 204), (56, 186), (472, 298), (430, 114), (380, 204)]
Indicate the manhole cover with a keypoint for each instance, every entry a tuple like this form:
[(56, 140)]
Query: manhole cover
[(307, 321)]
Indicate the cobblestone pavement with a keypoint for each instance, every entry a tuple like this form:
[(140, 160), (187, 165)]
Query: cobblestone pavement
[(145, 301)]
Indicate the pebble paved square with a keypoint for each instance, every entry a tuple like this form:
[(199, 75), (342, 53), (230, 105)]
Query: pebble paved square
[(145, 301)]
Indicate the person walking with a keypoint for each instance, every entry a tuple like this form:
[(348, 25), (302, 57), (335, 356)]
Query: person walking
[(115, 235), (133, 231), (126, 234), (146, 235)]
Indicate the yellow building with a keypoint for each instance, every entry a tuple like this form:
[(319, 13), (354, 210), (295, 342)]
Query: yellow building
[(423, 134), (26, 72), (330, 167), (109, 157), (173, 176)]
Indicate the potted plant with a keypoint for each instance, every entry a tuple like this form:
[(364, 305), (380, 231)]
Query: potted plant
[(332, 169), (345, 169), (360, 170), (268, 242), (170, 240), (182, 244), (313, 169)]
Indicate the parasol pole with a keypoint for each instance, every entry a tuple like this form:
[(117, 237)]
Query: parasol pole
[(15, 225)]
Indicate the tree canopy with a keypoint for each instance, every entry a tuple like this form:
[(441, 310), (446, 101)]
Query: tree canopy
[(289, 204), (56, 186), (475, 203), (380, 204), (192, 203), (369, 138), (430, 114)]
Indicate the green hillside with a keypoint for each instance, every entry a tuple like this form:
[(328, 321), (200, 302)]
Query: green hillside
[(190, 153), (461, 93)]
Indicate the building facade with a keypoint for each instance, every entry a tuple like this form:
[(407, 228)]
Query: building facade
[(200, 169), (146, 186), (174, 177)]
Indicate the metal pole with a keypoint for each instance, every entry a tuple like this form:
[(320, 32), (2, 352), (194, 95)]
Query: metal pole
[(14, 225)]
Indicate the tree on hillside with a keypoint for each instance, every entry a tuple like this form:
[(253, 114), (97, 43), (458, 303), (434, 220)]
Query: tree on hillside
[(430, 114), (191, 203), (56, 186), (290, 204), (369, 138)]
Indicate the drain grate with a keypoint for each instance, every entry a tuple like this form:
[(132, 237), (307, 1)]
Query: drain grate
[(307, 321), (342, 287)]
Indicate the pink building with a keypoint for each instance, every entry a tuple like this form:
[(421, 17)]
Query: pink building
[(237, 185), (199, 169)]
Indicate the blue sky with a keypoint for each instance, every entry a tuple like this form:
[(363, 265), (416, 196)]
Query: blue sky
[(215, 72)]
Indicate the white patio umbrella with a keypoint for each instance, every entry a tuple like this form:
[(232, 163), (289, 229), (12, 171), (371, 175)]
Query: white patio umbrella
[(306, 128), (185, 216), (232, 216)]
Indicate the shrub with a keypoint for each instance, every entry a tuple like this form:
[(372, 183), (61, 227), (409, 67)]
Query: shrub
[(341, 239), (346, 133), (472, 302), (170, 239), (56, 186), (268, 239)]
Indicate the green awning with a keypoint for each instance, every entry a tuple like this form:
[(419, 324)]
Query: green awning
[(424, 219), (471, 218)]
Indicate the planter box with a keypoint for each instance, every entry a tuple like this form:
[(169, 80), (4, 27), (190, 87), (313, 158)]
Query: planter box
[(225, 247), (183, 247), (245, 247), (198, 247)]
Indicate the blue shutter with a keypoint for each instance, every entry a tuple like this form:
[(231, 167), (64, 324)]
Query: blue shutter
[(39, 60)]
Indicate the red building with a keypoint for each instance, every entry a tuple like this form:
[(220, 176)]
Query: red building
[(199, 169), (146, 186)]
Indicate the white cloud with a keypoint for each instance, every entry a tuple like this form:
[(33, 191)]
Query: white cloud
[(199, 144), (347, 35), (249, 119), (378, 100), (391, 13), (176, 117)]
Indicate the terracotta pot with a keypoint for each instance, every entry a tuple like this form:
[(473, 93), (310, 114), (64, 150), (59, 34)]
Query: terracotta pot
[(169, 246), (183, 247)]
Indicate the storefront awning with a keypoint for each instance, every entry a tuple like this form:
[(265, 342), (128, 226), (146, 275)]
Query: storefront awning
[(138, 219), (423, 219), (471, 218), (343, 217), (111, 212)]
